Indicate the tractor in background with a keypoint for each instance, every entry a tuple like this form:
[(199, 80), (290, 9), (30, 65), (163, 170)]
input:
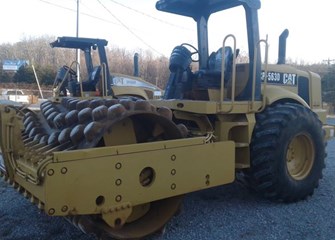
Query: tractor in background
[(99, 80)]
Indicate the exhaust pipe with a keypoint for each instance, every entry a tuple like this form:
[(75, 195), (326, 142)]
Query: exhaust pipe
[(136, 68), (282, 47)]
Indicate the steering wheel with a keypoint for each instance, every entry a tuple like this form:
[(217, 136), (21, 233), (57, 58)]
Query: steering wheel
[(192, 52), (71, 71), (61, 81)]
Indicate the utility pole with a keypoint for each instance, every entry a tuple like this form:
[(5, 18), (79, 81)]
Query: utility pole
[(329, 93), (329, 61), (78, 51)]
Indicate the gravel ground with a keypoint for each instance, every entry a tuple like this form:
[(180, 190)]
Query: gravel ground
[(227, 212)]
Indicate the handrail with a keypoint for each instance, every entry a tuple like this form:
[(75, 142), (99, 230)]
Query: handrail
[(265, 41), (104, 80), (233, 73)]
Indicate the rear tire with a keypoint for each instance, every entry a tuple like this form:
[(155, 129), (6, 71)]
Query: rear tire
[(287, 153)]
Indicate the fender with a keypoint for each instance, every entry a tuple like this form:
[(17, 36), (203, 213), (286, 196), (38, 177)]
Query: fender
[(274, 94), (130, 91)]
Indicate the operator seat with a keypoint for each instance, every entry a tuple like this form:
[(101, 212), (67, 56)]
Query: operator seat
[(94, 77), (211, 77), (89, 85), (215, 59)]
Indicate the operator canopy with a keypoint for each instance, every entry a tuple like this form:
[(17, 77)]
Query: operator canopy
[(80, 43), (198, 8)]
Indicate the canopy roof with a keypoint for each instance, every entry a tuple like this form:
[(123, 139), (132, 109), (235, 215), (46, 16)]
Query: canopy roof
[(78, 43), (197, 8)]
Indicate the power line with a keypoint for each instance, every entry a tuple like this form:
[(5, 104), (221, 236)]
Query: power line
[(89, 9), (120, 23), (95, 13), (56, 5), (150, 16), (128, 29), (73, 10)]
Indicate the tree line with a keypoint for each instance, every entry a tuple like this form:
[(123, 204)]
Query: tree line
[(153, 69)]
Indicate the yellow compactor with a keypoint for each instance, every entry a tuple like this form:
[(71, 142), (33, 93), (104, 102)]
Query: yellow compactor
[(120, 167)]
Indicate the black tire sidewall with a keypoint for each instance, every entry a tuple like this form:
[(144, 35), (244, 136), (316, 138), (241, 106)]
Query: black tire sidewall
[(292, 120), (299, 125)]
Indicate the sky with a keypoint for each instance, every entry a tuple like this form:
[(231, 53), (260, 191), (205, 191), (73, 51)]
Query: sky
[(136, 25)]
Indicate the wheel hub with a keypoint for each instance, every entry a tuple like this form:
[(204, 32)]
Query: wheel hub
[(300, 156)]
